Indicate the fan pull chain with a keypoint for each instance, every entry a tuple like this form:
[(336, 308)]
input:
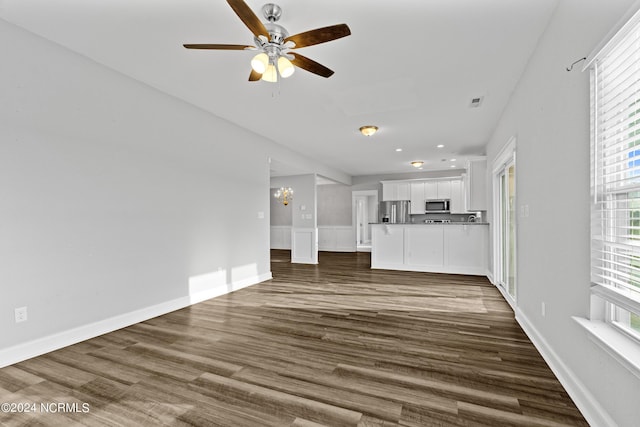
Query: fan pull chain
[(278, 79)]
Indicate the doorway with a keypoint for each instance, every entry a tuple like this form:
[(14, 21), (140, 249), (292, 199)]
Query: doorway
[(365, 211), (504, 196)]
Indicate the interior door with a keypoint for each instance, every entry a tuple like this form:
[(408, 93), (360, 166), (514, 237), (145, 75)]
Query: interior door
[(362, 234), (365, 211)]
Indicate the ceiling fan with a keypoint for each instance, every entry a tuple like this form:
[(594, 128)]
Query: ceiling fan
[(274, 44)]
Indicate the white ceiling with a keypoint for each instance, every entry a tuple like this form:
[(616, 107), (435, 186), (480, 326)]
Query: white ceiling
[(410, 67)]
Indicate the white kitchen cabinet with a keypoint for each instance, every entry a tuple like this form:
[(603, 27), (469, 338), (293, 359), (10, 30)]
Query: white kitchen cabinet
[(437, 189), (466, 247), (395, 190), (417, 197), (458, 199), (476, 188), (417, 191), (389, 191), (423, 246), (389, 239), (444, 189), (430, 190), (403, 191), (437, 248)]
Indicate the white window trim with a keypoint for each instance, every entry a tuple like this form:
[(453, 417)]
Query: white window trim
[(619, 31), (623, 349), (621, 297), (613, 339)]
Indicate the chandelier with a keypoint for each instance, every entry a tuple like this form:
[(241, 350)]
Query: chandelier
[(284, 195)]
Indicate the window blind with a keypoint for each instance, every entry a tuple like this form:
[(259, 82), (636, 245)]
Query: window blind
[(615, 166)]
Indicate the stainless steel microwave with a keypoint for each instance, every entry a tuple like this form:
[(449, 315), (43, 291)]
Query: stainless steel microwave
[(438, 206)]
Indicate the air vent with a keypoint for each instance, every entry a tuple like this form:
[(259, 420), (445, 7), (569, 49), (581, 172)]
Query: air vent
[(475, 102)]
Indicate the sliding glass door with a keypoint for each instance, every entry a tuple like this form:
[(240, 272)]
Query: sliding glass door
[(505, 225)]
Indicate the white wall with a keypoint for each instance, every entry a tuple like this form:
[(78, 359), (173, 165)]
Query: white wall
[(116, 201), (334, 205), (549, 115)]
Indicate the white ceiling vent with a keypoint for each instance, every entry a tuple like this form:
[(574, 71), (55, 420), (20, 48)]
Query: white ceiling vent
[(475, 102)]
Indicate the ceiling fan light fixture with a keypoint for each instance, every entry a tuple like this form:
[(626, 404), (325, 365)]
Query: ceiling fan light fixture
[(417, 163), (260, 62), (285, 67), (273, 41), (271, 74), (368, 130)]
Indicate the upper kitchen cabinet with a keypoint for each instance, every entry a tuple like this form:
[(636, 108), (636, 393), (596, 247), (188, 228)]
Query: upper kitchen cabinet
[(434, 190), (417, 197), (476, 185), (395, 190), (458, 202), (417, 191)]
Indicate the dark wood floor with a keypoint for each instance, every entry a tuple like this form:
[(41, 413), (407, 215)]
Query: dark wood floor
[(336, 344)]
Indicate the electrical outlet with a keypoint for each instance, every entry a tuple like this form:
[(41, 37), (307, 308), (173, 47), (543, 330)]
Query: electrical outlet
[(543, 309), (21, 314)]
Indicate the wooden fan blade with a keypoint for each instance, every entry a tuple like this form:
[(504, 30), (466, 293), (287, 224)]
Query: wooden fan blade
[(218, 46), (249, 18), (254, 76), (319, 35), (310, 65)]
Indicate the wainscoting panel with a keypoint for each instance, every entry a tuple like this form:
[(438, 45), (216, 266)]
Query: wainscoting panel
[(281, 237), (304, 245), (336, 238)]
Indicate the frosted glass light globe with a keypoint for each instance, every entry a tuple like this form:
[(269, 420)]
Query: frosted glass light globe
[(286, 67), (260, 62)]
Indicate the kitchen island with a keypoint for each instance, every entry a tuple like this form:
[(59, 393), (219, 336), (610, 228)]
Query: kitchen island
[(456, 248)]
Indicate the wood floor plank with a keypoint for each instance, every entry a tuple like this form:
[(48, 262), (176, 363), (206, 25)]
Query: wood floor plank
[(323, 390), (319, 345), (313, 410)]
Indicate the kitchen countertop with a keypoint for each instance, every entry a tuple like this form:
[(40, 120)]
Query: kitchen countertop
[(431, 223)]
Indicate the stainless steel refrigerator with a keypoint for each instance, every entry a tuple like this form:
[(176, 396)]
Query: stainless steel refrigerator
[(395, 212)]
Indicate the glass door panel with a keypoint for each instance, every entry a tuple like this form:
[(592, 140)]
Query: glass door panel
[(511, 231), (506, 216)]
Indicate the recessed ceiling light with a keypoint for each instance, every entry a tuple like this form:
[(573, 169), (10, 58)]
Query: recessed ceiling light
[(452, 160), (453, 166), (439, 146), (417, 163), (398, 149)]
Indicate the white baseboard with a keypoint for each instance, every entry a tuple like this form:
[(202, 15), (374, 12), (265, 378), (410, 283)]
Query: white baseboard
[(490, 277), (592, 411), (218, 290), (37, 347), (446, 269), (303, 261)]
